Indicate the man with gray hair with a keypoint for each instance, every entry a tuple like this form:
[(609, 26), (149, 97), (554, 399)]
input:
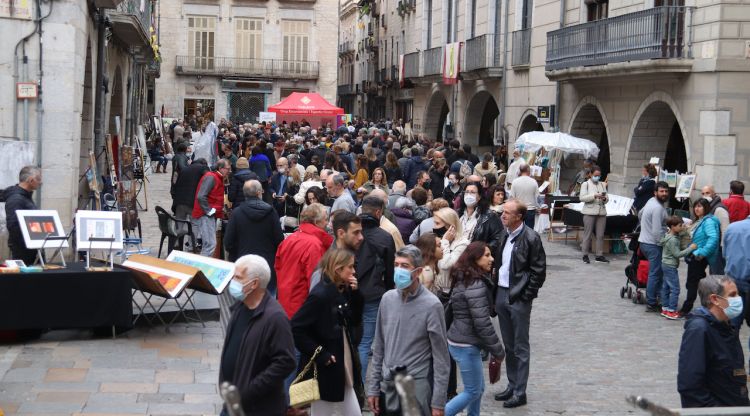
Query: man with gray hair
[(711, 369), (253, 228), (258, 350), (18, 197), (410, 333), (337, 191), (398, 191), (209, 205)]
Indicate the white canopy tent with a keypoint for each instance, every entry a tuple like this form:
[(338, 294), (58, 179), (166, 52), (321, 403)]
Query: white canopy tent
[(557, 145)]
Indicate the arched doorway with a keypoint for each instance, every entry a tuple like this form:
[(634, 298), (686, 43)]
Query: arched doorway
[(436, 115), (480, 121), (657, 133), (589, 124), (530, 123)]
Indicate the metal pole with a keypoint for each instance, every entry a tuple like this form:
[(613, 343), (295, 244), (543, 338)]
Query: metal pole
[(100, 87)]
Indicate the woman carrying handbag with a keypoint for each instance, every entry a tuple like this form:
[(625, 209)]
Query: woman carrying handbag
[(327, 319)]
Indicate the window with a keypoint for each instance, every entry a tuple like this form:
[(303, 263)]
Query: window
[(526, 9), (429, 23), (296, 43), (597, 9), (201, 32), (472, 18), (449, 22), (248, 38)]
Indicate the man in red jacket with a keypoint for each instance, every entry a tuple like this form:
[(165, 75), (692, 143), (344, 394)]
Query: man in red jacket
[(298, 256), (209, 205), (738, 208)]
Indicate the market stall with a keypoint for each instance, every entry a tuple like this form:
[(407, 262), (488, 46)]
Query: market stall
[(548, 149), (307, 106)]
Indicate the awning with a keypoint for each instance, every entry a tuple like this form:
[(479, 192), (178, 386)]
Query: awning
[(534, 140), (305, 103)]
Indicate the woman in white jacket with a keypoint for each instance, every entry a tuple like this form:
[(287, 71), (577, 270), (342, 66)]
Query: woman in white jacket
[(594, 198), (311, 179), (448, 228)]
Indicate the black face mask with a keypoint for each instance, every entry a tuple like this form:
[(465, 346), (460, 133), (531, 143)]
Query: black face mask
[(440, 232)]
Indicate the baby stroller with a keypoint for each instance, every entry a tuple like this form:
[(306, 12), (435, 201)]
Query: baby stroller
[(636, 271)]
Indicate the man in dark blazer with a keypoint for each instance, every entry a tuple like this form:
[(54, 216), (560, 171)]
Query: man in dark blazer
[(522, 268)]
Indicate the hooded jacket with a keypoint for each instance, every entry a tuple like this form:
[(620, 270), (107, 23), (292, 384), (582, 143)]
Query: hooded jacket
[(253, 228), (235, 194), (711, 366), (375, 259)]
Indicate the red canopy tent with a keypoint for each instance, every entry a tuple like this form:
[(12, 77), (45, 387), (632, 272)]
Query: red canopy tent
[(306, 105)]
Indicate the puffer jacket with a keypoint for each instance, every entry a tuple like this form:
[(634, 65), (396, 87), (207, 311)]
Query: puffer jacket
[(471, 317), (591, 205), (404, 221), (706, 237)]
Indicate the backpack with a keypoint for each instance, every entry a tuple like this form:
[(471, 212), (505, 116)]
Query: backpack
[(466, 169)]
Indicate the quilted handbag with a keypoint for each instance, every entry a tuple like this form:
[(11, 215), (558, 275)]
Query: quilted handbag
[(302, 393)]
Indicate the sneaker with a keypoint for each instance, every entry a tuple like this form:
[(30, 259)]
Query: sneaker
[(601, 259), (652, 308), (665, 313), (586, 259), (673, 315)]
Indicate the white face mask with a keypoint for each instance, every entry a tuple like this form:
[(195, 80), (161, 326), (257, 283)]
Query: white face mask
[(708, 198), (470, 200), (282, 170)]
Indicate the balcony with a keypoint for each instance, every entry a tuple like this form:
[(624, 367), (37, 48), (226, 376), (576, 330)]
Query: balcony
[(432, 62), (346, 89), (246, 67), (482, 58), (411, 65), (346, 47), (380, 76), (394, 73), (131, 25), (647, 41), (521, 47)]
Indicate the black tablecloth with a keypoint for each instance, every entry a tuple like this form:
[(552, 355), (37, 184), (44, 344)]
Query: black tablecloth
[(66, 298), (616, 224)]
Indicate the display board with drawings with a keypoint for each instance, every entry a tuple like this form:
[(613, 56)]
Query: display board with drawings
[(158, 276), (99, 224), (215, 274), (37, 225), (616, 205)]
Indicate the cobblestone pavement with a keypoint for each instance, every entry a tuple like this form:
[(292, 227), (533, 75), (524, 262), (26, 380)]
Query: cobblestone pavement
[(590, 349)]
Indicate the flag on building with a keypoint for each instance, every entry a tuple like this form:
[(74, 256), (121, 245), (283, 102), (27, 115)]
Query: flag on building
[(451, 63), (401, 71)]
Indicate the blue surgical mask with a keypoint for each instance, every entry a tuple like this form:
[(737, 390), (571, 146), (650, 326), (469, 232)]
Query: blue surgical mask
[(402, 278), (235, 289), (735, 307), (595, 178)]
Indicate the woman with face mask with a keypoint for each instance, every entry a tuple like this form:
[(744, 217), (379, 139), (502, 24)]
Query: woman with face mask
[(432, 252), (471, 329), (594, 198), (453, 187), (327, 319), (478, 222)]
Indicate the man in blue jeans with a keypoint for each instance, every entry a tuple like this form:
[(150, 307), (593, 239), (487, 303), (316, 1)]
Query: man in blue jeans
[(374, 270), (653, 217)]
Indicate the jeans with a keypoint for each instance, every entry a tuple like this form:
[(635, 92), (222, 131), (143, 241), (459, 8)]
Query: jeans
[(530, 218), (670, 289), (469, 361), (653, 254), (369, 317)]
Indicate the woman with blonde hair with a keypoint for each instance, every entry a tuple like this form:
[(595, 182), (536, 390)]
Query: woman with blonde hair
[(378, 181), (311, 179), (453, 242), (327, 320)]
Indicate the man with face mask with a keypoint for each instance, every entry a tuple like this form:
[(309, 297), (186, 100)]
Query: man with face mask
[(653, 218), (410, 333), (280, 185), (711, 369), (258, 350)]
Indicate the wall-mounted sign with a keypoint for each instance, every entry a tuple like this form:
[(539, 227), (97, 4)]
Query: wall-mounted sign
[(542, 114), (25, 90), (268, 117)]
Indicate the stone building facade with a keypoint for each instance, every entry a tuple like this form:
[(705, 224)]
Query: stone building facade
[(67, 120), (642, 79), (233, 59)]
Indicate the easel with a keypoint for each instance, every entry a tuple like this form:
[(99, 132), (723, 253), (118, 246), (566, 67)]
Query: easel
[(58, 250), (93, 239), (139, 175)]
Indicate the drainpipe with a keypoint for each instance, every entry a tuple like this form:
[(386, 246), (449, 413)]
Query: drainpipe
[(556, 114), (102, 24), (39, 103), (16, 77), (505, 74)]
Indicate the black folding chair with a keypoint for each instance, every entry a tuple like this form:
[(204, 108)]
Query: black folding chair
[(174, 230)]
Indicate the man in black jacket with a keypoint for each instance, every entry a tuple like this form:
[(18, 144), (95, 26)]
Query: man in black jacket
[(522, 268), (183, 191), (374, 271), (711, 369), (18, 197), (258, 350)]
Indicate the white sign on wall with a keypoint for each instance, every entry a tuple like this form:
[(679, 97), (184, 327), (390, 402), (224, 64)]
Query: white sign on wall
[(268, 117)]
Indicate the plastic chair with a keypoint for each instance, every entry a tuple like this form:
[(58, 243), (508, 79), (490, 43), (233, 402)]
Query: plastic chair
[(173, 229)]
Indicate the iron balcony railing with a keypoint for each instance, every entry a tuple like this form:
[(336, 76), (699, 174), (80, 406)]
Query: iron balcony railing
[(521, 47), (411, 65), (346, 89), (482, 52), (433, 61), (346, 47), (133, 7), (657, 33), (270, 68)]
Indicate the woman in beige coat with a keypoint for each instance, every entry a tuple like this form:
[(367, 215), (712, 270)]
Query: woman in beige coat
[(594, 198)]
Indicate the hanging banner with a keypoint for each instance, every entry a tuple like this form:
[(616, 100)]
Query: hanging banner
[(451, 63), (401, 71)]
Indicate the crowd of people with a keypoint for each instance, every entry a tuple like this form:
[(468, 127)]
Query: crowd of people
[(389, 253)]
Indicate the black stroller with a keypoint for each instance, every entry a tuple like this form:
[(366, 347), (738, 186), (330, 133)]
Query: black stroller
[(636, 271)]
